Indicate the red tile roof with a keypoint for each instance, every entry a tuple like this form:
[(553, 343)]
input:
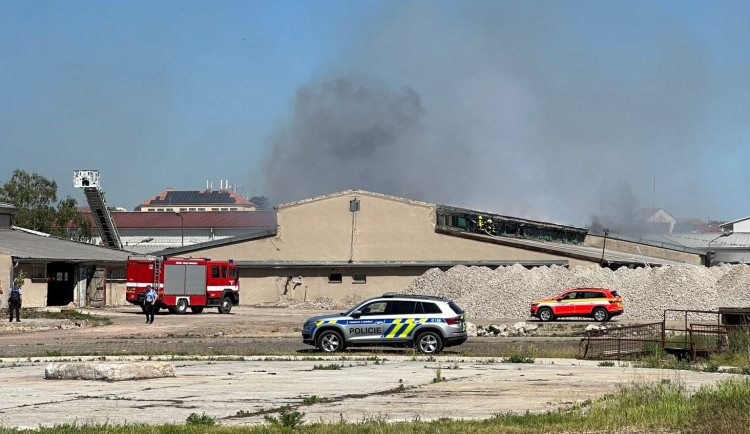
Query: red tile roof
[(201, 219), (171, 197)]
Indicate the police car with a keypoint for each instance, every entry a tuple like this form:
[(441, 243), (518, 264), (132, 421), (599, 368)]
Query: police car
[(425, 322)]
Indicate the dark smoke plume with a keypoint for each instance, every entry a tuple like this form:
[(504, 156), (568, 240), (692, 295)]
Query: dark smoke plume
[(549, 111), (348, 133)]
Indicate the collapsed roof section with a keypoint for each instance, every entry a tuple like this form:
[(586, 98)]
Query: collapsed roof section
[(467, 220)]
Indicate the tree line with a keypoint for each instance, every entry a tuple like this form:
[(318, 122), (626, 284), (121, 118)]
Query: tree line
[(35, 197)]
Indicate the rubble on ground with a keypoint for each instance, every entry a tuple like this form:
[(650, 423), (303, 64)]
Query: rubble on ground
[(507, 292), (518, 329)]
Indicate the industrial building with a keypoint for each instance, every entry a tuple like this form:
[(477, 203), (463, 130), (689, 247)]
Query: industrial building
[(355, 244), (58, 272)]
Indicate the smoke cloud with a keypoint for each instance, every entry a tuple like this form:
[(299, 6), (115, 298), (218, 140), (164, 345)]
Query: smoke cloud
[(543, 110), (349, 132)]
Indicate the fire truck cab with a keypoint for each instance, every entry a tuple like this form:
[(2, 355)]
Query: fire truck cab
[(184, 283)]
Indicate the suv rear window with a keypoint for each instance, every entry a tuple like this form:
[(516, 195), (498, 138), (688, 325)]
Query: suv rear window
[(425, 307), (455, 308), (401, 307), (614, 293)]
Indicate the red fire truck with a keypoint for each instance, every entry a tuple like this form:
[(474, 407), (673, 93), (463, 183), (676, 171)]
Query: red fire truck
[(184, 283)]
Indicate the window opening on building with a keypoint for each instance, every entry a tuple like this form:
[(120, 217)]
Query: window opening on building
[(116, 274), (359, 278), (37, 272), (334, 278)]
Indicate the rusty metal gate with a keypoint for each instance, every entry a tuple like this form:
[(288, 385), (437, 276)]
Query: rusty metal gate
[(621, 342), (701, 333)]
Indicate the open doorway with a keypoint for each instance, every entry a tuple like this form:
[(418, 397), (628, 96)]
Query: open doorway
[(60, 283)]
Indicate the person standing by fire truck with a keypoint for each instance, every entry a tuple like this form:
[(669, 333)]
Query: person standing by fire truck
[(150, 300)]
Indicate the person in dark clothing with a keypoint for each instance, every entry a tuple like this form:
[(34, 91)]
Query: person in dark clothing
[(14, 303), (150, 300)]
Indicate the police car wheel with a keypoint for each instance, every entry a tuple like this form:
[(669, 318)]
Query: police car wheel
[(330, 341), (429, 343), (601, 314), (545, 314)]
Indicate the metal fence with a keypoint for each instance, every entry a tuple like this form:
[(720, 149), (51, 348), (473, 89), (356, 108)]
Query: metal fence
[(698, 334), (622, 341)]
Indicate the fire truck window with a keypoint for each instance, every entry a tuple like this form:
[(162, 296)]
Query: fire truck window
[(224, 272), (214, 271)]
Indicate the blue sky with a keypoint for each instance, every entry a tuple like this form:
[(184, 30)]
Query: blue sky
[(547, 110)]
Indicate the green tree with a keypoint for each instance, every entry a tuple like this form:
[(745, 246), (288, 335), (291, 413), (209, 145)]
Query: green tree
[(261, 203), (35, 197)]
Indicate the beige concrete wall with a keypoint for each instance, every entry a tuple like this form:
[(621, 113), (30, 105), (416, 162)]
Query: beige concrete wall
[(263, 286), (6, 262), (116, 293), (631, 247), (386, 229), (34, 291)]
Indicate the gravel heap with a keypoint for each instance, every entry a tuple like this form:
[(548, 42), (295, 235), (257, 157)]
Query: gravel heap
[(508, 291)]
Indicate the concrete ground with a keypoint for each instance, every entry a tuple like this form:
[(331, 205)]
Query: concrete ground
[(240, 392)]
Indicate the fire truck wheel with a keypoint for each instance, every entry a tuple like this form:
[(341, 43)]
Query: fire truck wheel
[(181, 306), (143, 308), (196, 309), (226, 305)]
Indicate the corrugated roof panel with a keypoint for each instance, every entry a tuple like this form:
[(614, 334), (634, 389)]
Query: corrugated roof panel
[(24, 245), (701, 241)]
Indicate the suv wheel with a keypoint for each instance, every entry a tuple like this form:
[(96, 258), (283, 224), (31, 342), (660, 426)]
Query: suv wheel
[(601, 314), (330, 341), (545, 314), (429, 343)]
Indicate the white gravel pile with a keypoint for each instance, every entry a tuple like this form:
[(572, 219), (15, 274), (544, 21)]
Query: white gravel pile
[(508, 291)]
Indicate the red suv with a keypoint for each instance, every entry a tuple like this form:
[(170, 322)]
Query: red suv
[(598, 303)]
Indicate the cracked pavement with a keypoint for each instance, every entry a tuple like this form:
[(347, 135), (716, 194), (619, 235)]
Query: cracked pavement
[(393, 388)]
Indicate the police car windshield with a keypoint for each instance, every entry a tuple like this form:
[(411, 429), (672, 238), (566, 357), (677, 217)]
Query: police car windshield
[(357, 307)]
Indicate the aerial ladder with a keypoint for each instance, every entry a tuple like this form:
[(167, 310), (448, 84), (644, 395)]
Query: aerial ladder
[(88, 180)]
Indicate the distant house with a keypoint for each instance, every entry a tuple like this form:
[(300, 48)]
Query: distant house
[(738, 226), (692, 225), (655, 220), (196, 200)]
